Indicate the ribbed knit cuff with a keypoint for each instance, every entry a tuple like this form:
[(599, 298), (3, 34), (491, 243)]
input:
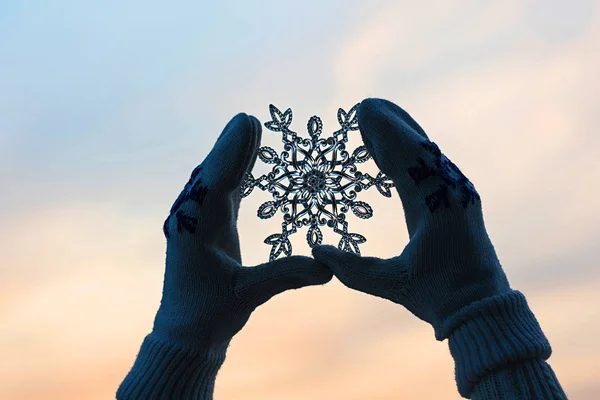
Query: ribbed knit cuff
[(527, 380), (492, 333), (163, 371)]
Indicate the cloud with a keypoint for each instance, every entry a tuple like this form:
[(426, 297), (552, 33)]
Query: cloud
[(517, 121)]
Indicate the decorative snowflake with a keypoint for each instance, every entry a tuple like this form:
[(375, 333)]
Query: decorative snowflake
[(314, 182)]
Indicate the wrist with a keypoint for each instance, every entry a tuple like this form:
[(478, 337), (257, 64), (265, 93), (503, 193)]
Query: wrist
[(533, 379), (492, 333), (196, 325), (166, 369)]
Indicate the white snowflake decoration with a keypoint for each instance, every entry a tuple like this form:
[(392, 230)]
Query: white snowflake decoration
[(314, 182)]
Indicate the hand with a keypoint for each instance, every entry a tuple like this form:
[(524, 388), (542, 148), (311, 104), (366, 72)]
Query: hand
[(450, 261), (448, 274), (208, 295)]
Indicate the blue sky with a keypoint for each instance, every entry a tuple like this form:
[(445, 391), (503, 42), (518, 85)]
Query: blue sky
[(106, 107)]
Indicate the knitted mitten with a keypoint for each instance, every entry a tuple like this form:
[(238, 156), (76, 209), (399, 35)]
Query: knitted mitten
[(208, 295), (448, 275)]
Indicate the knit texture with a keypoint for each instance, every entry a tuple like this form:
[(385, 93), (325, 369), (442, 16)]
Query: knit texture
[(448, 274), (527, 380), (208, 296), (168, 372), (491, 333)]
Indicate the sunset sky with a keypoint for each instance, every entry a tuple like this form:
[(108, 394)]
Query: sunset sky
[(107, 106)]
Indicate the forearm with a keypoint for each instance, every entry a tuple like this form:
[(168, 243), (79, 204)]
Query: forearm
[(500, 351), (163, 371), (528, 380)]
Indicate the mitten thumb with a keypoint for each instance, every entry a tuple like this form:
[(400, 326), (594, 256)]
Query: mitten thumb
[(256, 285), (372, 275)]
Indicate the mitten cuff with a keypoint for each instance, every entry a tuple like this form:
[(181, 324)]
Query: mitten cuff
[(532, 379), (492, 333), (163, 371)]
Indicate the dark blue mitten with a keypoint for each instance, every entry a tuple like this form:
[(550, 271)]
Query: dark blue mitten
[(208, 295), (449, 274)]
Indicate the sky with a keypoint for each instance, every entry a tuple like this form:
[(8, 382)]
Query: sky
[(107, 106)]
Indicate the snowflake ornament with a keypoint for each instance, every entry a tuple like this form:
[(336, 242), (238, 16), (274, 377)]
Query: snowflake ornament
[(314, 182)]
